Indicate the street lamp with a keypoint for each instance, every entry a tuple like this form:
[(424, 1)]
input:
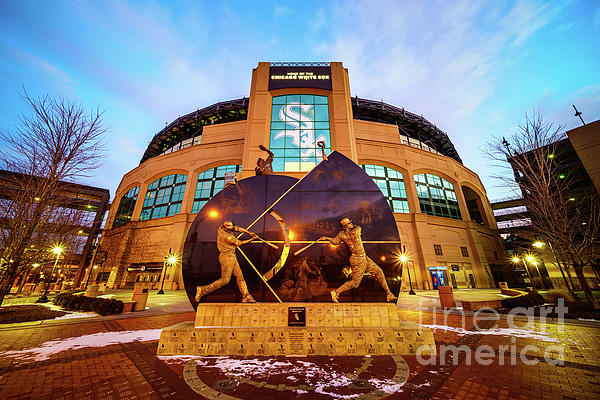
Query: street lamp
[(404, 260), (171, 259), (58, 249), (527, 258)]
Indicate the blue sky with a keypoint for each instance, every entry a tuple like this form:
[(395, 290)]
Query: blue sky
[(474, 68)]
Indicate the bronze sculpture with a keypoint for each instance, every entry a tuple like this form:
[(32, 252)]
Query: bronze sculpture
[(359, 261), (264, 167), (227, 243)]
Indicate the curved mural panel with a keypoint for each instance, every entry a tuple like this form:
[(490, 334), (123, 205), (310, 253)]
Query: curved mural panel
[(292, 214)]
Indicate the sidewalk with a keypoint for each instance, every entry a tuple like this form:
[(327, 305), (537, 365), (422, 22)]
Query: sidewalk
[(114, 358)]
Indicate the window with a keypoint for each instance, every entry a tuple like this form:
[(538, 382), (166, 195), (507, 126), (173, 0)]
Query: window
[(464, 251), (210, 182), (298, 122), (126, 206), (164, 197), (436, 196), (438, 249), (391, 183)]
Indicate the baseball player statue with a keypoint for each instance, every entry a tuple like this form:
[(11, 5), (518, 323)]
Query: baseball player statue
[(359, 261)]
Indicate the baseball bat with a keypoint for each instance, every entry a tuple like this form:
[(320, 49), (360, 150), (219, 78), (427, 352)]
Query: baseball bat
[(305, 247)]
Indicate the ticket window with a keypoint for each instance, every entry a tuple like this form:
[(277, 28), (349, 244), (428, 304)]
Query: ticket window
[(438, 278)]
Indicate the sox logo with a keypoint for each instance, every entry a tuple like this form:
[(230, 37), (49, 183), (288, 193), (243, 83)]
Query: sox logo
[(303, 135)]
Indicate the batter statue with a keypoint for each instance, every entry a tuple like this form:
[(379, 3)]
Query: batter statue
[(227, 243), (264, 167), (359, 262)]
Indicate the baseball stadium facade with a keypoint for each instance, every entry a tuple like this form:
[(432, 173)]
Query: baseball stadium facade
[(443, 216)]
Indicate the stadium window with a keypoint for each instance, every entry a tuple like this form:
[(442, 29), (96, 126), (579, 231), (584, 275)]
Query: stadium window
[(211, 182), (126, 206), (164, 197), (436, 196), (391, 184), (464, 251), (298, 122), (438, 249)]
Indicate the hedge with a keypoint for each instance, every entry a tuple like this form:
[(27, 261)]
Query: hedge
[(83, 303), (528, 300)]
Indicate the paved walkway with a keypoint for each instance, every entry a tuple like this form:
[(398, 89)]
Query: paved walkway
[(114, 358)]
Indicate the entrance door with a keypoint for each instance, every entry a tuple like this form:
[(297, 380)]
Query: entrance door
[(434, 279), (453, 279), (472, 281), (437, 277)]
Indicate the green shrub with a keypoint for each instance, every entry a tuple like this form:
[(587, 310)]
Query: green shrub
[(528, 300), (552, 296), (83, 303)]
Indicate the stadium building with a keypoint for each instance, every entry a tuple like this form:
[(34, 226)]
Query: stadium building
[(443, 216)]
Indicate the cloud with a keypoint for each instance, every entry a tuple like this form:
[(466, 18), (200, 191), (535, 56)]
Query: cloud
[(54, 76), (443, 57)]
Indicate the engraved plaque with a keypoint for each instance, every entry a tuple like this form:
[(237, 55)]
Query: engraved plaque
[(296, 342), (296, 316)]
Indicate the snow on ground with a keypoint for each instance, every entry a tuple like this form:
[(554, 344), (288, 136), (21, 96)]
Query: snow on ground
[(100, 339), (322, 377), (512, 332)]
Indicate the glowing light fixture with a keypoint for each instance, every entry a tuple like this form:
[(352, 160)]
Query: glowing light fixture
[(213, 214), (403, 258), (529, 258), (37, 199), (550, 156), (571, 198), (57, 250), (291, 235), (382, 258), (538, 244), (562, 176), (516, 259), (35, 265), (172, 259)]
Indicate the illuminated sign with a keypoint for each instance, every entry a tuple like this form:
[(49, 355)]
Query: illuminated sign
[(436, 268), (300, 77)]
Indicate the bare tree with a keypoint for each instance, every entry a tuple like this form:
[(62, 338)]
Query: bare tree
[(58, 141), (570, 224)]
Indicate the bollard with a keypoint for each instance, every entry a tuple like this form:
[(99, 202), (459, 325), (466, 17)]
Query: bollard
[(91, 291), (140, 296), (446, 297)]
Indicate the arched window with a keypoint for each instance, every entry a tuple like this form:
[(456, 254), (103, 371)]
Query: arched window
[(391, 183), (298, 122), (211, 182), (164, 197), (126, 206), (436, 196)]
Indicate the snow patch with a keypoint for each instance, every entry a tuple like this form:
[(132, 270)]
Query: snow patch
[(520, 333), (100, 339)]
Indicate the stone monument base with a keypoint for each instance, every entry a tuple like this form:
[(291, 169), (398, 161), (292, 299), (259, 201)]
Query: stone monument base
[(296, 329)]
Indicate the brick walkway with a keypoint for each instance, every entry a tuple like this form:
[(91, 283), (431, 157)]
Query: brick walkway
[(102, 360)]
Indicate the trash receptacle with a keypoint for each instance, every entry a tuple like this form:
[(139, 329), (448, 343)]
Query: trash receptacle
[(446, 297), (140, 296), (91, 291)]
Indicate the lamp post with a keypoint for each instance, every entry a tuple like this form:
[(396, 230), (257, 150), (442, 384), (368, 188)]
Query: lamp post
[(529, 257), (58, 251), (404, 260), (170, 259)]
